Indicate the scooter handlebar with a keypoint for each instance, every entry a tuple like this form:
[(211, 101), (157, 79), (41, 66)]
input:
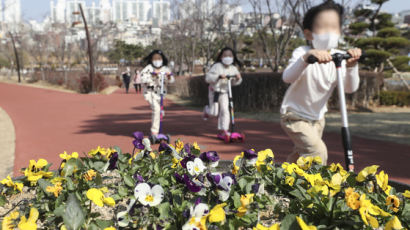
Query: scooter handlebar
[(312, 59)]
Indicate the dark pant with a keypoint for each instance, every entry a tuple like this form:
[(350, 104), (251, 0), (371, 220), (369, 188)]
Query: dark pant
[(126, 79), (137, 88)]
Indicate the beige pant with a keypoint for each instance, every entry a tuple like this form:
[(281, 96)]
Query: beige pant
[(306, 136), (221, 107), (155, 102)]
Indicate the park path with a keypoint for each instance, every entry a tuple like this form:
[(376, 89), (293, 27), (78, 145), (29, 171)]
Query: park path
[(48, 122)]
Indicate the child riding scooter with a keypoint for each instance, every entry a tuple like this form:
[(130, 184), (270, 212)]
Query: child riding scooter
[(218, 92)]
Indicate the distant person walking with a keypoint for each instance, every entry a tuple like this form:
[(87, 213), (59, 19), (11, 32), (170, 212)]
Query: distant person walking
[(126, 78), (137, 81)]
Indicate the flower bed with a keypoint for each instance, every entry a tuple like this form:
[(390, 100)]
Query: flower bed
[(178, 187)]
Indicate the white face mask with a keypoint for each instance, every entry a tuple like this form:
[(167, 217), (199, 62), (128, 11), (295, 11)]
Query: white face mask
[(325, 41), (227, 60), (157, 63)]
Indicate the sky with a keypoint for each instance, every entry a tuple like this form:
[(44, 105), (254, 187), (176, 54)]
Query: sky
[(39, 9)]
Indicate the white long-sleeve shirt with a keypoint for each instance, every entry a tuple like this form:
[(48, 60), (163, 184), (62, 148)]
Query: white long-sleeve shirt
[(313, 84), (148, 80), (221, 85)]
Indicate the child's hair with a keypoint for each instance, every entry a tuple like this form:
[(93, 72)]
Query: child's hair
[(235, 58), (148, 59), (311, 14)]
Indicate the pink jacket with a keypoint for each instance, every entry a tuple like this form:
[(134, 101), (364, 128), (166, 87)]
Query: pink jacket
[(137, 78)]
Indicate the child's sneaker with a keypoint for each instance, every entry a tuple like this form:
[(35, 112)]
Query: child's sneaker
[(205, 115)]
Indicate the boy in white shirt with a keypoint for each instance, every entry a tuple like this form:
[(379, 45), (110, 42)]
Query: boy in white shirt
[(304, 105)]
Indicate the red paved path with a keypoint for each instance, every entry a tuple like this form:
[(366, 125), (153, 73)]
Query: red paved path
[(49, 122)]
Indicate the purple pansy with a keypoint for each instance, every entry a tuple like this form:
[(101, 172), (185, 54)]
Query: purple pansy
[(250, 154), (138, 140), (187, 149), (190, 157), (209, 157), (113, 161), (192, 186), (214, 178), (179, 178)]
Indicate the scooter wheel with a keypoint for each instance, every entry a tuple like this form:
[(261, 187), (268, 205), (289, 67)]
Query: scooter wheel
[(168, 138), (227, 139), (242, 137), (153, 139)]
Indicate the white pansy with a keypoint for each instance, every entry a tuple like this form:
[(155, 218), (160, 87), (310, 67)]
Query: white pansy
[(195, 167), (147, 195), (197, 213), (251, 162)]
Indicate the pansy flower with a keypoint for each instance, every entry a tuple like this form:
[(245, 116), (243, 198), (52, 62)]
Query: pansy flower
[(192, 185), (187, 159), (223, 183), (98, 198), (34, 172), (138, 137), (195, 167), (10, 183), (198, 217), (30, 222), (147, 195), (210, 157)]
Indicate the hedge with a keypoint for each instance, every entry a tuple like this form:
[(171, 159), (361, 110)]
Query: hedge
[(265, 91), (400, 98)]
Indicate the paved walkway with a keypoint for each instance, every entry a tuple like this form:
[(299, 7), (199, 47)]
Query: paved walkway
[(50, 122)]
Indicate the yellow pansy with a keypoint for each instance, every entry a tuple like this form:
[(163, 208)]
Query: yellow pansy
[(110, 228), (56, 189), (96, 151), (245, 201), (304, 162), (337, 168), (406, 194), (371, 170), (261, 227), (393, 202), (303, 225), (314, 179), (289, 180), (352, 198), (335, 183), (97, 196), (217, 214), (8, 221), (54, 180), (89, 175), (67, 157), (10, 183), (393, 224), (152, 155), (34, 171), (179, 145), (367, 209), (196, 146), (30, 223), (236, 167), (318, 189), (262, 156), (290, 168), (383, 180), (175, 162)]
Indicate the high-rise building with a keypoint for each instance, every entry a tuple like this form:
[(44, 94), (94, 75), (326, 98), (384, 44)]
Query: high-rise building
[(1, 11), (12, 11), (93, 13), (105, 11), (126, 10), (161, 11), (58, 11)]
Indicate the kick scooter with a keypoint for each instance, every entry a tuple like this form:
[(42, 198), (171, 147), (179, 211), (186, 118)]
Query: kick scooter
[(346, 138), (231, 136)]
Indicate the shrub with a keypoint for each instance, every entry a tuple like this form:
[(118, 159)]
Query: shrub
[(99, 83), (400, 98)]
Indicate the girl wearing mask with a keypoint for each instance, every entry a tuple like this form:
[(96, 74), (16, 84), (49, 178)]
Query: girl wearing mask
[(226, 65), (150, 78)]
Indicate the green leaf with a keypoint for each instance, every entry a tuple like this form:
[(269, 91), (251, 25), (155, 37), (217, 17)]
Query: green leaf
[(242, 182), (164, 210), (129, 181), (104, 223), (70, 184), (74, 216), (3, 200), (122, 191), (289, 223), (237, 200), (44, 184), (69, 167), (163, 181)]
